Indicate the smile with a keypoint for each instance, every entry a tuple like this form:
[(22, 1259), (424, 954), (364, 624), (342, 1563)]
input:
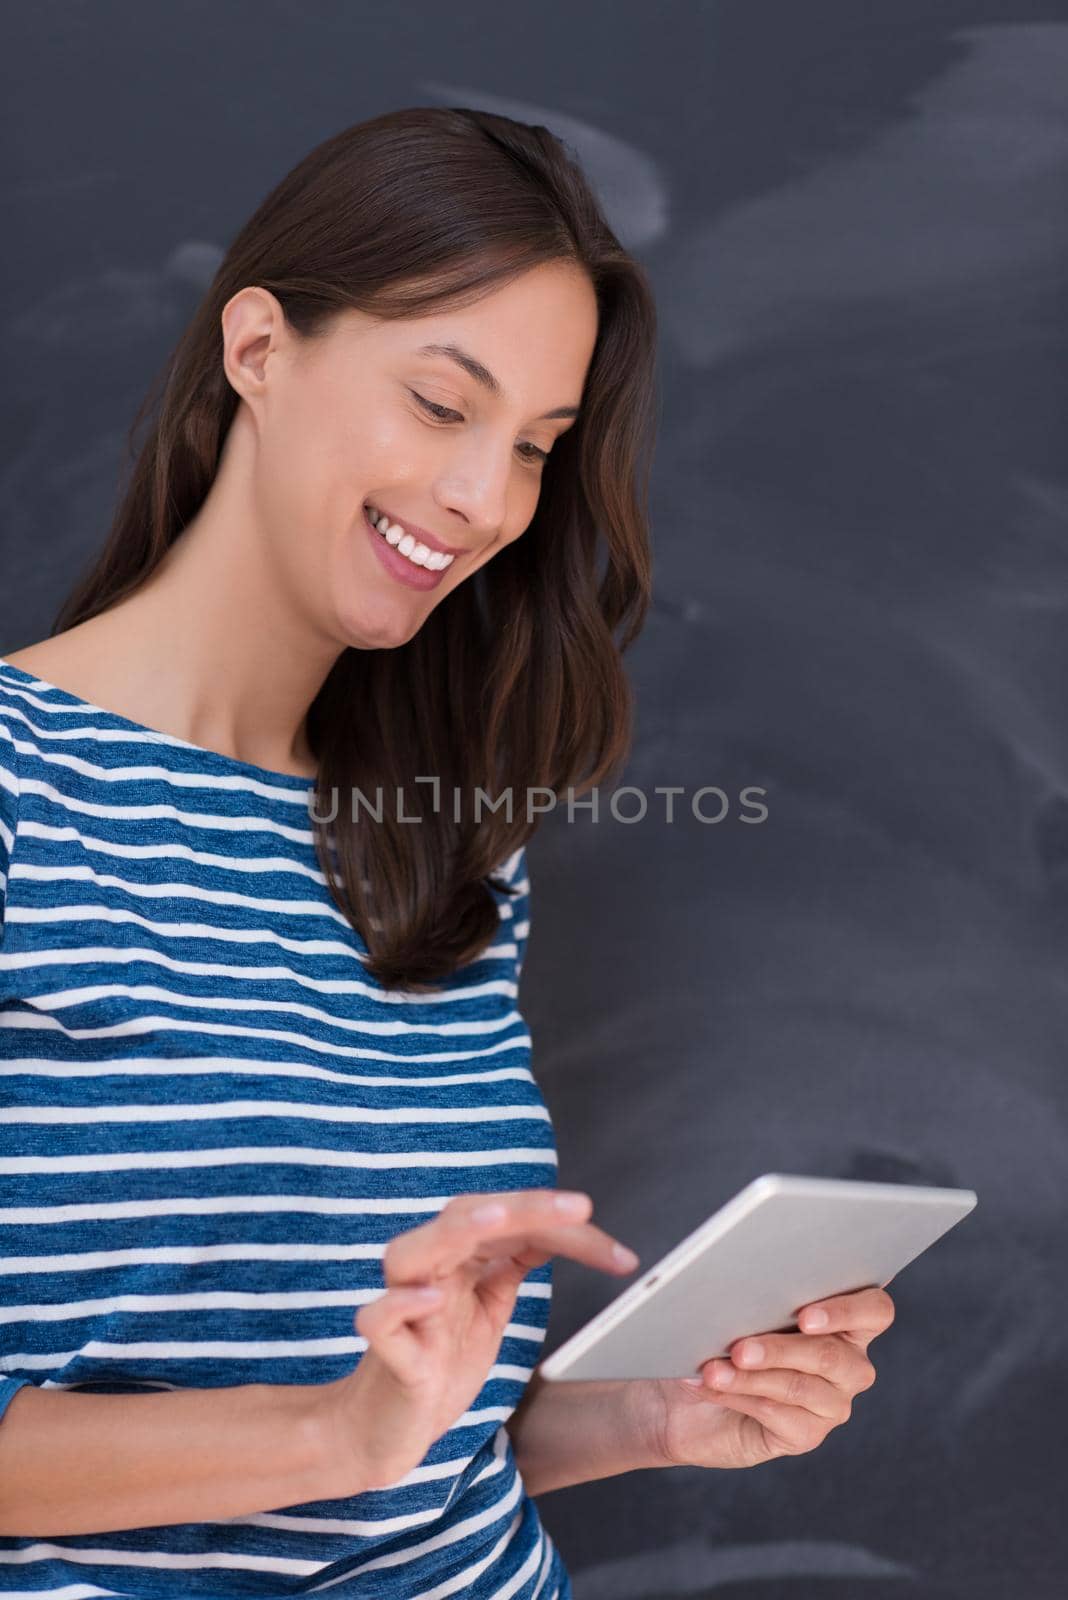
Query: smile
[(419, 554), (397, 563)]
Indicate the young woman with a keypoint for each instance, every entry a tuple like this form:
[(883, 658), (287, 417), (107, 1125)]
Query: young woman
[(262, 1059)]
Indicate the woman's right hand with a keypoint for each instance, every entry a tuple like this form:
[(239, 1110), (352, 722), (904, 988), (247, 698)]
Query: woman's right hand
[(428, 1356)]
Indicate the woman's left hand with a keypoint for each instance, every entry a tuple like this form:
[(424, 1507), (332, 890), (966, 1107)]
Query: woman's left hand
[(786, 1402)]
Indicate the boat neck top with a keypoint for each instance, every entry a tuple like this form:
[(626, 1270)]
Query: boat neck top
[(213, 1121)]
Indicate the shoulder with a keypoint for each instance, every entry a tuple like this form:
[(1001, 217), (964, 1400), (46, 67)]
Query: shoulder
[(510, 881), (8, 730), (10, 796), (13, 694), (514, 868), (513, 902), (12, 729)]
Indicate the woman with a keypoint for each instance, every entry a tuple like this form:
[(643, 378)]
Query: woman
[(264, 1061)]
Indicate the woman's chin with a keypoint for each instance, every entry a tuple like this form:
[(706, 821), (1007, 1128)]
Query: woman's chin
[(383, 627)]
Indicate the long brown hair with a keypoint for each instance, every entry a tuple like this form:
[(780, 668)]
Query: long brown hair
[(514, 681)]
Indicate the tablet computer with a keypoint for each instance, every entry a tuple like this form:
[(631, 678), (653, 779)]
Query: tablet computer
[(753, 1266)]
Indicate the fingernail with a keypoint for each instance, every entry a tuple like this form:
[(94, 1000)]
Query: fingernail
[(723, 1375), (752, 1353), (815, 1319), (625, 1257), (570, 1202), (694, 1383), (493, 1212)]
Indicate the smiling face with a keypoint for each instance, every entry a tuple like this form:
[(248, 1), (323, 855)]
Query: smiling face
[(442, 423)]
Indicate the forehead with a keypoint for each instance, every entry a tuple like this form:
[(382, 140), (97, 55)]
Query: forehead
[(537, 330)]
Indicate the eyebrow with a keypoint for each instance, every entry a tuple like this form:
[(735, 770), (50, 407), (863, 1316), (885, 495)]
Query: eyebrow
[(482, 375)]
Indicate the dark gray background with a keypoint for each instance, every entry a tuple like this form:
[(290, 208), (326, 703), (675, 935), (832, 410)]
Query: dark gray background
[(855, 219)]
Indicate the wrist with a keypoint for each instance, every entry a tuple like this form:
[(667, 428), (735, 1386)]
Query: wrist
[(574, 1431), (645, 1400), (318, 1415)]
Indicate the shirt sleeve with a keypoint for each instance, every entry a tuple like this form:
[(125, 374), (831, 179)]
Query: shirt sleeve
[(9, 1388), (9, 810)]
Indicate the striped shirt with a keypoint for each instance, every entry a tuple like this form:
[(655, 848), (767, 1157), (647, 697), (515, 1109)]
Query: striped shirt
[(213, 1122)]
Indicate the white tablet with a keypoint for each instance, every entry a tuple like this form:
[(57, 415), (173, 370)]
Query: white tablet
[(753, 1266)]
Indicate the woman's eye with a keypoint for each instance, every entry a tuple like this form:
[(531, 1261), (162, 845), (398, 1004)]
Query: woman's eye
[(435, 410), (446, 414)]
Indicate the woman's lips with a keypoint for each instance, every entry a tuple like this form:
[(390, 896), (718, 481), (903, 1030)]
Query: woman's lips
[(399, 566)]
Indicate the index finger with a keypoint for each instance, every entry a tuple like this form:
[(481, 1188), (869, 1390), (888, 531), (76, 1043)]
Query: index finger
[(480, 1227), (867, 1311)]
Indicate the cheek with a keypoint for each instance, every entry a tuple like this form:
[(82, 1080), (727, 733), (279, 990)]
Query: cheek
[(334, 445), (297, 468), (368, 445)]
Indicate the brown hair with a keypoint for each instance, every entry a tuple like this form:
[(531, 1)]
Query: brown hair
[(407, 212)]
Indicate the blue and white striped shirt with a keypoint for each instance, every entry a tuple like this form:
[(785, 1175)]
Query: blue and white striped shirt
[(213, 1123)]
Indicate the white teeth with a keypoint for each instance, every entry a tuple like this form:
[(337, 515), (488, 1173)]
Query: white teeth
[(417, 552)]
